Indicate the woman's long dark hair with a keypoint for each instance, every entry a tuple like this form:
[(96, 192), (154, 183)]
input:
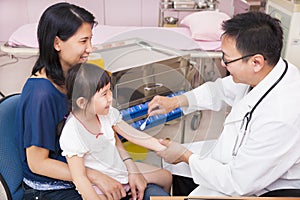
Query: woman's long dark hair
[(62, 20), (83, 80)]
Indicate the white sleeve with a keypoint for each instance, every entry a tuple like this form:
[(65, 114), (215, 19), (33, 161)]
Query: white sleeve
[(70, 141), (214, 95)]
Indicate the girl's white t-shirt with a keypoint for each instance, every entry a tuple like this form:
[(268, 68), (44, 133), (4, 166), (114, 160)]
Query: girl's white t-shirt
[(99, 151)]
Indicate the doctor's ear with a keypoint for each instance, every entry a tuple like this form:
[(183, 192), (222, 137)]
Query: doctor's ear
[(56, 44), (258, 62)]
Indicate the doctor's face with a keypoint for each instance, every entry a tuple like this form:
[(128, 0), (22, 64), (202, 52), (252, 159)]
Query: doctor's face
[(238, 68)]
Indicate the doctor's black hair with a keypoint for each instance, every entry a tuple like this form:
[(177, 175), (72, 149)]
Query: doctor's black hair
[(256, 32), (62, 20)]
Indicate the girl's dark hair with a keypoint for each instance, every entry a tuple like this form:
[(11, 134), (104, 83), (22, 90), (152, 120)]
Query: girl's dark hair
[(256, 32), (83, 80), (62, 20)]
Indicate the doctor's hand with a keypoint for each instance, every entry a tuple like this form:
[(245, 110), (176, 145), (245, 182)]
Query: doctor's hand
[(174, 153), (162, 105)]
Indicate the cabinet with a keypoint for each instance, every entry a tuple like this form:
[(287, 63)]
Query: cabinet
[(179, 9), (288, 12)]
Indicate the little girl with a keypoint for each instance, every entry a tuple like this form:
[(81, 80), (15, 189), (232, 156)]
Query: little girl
[(89, 139)]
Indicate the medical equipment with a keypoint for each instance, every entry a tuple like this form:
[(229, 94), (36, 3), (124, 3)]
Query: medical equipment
[(143, 126), (248, 115), (288, 12)]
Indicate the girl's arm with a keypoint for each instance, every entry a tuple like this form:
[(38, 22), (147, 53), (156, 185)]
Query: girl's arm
[(136, 180), (80, 179), (138, 137)]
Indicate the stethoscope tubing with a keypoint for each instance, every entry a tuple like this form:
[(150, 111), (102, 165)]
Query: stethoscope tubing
[(248, 115)]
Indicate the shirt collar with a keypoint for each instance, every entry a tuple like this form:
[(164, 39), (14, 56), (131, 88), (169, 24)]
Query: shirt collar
[(252, 97)]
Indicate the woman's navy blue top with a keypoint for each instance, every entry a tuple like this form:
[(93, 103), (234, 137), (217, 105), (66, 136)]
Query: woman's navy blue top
[(42, 107)]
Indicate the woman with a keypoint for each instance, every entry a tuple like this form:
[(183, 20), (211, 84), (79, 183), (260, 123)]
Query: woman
[(64, 36)]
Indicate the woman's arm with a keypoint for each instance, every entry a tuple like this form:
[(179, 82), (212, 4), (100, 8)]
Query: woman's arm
[(80, 179), (40, 163), (138, 137), (109, 186)]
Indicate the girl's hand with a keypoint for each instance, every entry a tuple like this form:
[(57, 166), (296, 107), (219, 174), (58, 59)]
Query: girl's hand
[(138, 185)]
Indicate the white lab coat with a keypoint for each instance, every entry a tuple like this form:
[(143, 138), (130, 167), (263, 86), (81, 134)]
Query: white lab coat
[(269, 156)]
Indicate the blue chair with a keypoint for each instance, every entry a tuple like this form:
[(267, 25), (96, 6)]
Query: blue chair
[(10, 161)]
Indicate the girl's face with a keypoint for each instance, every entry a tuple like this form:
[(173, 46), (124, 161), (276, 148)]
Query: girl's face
[(101, 101), (76, 49)]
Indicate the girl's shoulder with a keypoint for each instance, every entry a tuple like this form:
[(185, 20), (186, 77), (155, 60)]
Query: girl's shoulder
[(113, 116)]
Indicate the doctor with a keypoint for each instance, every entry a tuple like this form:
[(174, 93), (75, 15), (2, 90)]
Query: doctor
[(258, 150)]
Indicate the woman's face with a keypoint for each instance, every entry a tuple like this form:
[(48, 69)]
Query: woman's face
[(76, 49)]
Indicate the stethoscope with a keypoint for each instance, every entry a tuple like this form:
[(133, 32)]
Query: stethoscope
[(249, 114)]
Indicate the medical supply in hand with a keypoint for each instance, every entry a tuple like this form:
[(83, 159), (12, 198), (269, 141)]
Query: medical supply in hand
[(143, 126)]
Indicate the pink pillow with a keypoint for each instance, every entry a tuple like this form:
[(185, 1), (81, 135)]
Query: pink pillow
[(205, 25), (25, 36)]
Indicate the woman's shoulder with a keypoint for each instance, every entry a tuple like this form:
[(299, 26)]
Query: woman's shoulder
[(38, 81), (39, 92), (40, 86)]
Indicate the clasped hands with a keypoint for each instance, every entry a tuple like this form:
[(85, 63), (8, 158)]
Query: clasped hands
[(174, 153)]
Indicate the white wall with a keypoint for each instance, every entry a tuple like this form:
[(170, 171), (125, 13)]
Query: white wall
[(226, 6), (14, 13)]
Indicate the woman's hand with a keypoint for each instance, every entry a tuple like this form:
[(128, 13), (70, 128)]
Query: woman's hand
[(137, 184)]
